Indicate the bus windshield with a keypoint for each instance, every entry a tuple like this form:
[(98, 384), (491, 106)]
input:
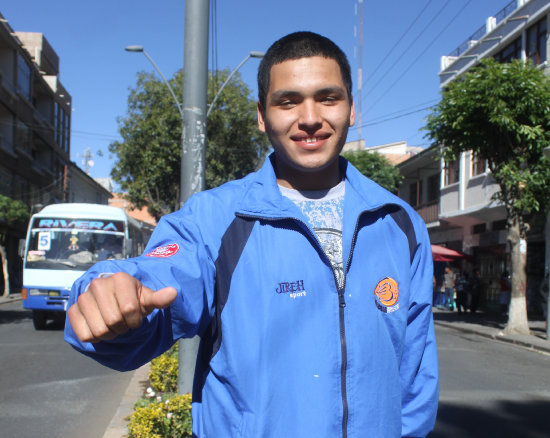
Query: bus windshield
[(76, 248)]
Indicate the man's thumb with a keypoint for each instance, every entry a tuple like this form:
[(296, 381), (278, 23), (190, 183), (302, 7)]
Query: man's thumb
[(160, 299)]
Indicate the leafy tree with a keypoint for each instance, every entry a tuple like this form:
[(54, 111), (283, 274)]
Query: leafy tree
[(500, 111), (376, 167), (12, 213), (149, 155)]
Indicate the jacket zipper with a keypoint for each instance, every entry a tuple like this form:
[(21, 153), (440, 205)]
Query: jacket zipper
[(343, 369), (344, 348), (341, 305)]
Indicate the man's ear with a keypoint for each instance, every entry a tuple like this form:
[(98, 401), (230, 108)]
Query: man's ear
[(261, 117), (352, 114)]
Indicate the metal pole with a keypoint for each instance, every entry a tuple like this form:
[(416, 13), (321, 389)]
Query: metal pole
[(546, 152), (548, 307), (195, 79)]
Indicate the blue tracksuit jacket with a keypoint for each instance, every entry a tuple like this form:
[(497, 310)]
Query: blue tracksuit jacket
[(284, 352)]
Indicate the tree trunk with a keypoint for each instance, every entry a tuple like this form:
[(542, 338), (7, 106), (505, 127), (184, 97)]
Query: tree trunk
[(4, 257), (517, 313)]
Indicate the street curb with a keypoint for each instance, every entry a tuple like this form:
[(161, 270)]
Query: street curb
[(497, 337), (10, 298), (118, 427)]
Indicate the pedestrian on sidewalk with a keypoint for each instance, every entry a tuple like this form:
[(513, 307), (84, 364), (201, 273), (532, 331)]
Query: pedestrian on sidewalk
[(439, 293), (504, 294), (543, 292), (449, 282), (475, 289), (462, 292), (311, 323)]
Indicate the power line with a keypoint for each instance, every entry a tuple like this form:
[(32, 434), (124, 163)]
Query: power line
[(214, 37), (386, 56), (420, 56), (424, 105), (400, 56), (40, 128), (378, 122)]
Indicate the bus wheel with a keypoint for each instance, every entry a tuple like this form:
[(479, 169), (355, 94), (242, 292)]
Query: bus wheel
[(39, 319)]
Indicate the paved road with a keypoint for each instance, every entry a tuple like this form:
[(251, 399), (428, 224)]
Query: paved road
[(47, 389), (491, 389)]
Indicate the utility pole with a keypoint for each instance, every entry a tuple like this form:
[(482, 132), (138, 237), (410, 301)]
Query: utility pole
[(193, 158)]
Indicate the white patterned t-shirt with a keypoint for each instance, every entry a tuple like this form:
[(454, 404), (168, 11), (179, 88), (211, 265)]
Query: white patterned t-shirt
[(324, 210)]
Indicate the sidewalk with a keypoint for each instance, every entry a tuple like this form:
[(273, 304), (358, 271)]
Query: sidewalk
[(491, 326), (10, 298)]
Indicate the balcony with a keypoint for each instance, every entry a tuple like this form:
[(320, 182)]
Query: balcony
[(429, 211)]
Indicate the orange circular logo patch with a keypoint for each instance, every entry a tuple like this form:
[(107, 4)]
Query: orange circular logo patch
[(387, 291)]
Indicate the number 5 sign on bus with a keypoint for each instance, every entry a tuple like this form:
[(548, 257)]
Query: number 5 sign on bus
[(44, 241)]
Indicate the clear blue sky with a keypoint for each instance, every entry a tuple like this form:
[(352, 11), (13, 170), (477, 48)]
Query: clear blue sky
[(398, 84)]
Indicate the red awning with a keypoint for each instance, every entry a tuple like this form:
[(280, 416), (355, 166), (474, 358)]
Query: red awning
[(442, 254)]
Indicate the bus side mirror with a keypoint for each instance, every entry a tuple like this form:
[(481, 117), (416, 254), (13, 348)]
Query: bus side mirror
[(21, 249), (128, 244)]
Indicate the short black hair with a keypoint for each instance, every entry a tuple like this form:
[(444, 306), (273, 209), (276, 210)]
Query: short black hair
[(301, 45)]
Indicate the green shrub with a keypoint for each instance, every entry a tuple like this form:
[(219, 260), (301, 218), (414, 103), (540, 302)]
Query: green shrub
[(168, 418), (163, 374)]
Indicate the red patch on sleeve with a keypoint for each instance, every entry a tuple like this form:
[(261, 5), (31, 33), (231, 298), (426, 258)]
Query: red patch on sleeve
[(164, 251)]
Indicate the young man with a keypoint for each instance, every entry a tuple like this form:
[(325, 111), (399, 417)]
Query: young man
[(309, 285)]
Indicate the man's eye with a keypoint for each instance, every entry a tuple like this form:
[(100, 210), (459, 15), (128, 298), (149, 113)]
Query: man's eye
[(286, 104), (329, 99)]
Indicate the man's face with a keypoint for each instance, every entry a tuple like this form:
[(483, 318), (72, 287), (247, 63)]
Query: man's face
[(306, 117)]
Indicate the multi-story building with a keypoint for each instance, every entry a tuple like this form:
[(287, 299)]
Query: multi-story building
[(468, 219), (35, 119), (35, 126)]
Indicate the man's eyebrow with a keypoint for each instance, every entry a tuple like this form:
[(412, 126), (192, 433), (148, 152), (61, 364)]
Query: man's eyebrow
[(331, 90), (282, 94)]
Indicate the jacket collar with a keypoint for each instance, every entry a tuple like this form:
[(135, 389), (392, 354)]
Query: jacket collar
[(263, 197)]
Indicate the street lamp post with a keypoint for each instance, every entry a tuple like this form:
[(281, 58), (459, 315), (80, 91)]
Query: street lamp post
[(191, 181), (250, 55), (140, 49), (546, 151)]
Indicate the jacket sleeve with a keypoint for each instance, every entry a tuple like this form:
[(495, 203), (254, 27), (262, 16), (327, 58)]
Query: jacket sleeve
[(419, 365), (186, 266)]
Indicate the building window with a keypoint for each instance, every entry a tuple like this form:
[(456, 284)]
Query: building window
[(61, 129), (478, 164), (6, 129), (23, 137), (433, 187), (510, 52), (451, 172), (23, 78), (66, 135), (479, 228), (56, 122), (6, 182), (499, 225), (415, 193), (536, 42)]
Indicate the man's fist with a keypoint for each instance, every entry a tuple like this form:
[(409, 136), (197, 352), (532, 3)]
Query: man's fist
[(113, 305)]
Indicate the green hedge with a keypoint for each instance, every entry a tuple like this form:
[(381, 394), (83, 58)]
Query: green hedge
[(162, 413), (163, 374)]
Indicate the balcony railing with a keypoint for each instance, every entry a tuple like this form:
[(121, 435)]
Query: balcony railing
[(478, 34), (429, 211)]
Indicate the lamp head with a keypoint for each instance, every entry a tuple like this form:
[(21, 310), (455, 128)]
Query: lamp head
[(257, 54), (134, 48)]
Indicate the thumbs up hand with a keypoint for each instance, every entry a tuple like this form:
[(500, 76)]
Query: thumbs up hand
[(113, 305)]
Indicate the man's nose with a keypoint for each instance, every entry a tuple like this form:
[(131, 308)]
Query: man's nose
[(310, 117)]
